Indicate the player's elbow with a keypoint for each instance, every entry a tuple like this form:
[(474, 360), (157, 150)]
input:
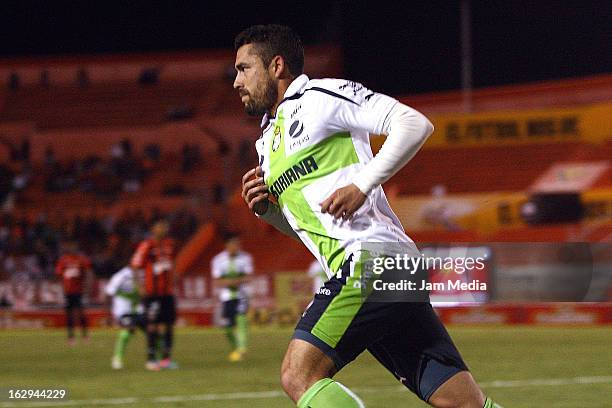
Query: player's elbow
[(412, 122), (429, 127), (424, 128)]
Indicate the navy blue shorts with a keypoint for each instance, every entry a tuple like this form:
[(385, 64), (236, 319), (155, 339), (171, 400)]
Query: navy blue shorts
[(160, 309), (133, 320), (232, 308), (405, 337)]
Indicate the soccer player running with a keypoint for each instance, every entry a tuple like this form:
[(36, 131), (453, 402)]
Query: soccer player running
[(156, 257), (76, 273), (231, 269), (126, 310), (317, 180)]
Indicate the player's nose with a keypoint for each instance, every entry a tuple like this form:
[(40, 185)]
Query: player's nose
[(238, 82)]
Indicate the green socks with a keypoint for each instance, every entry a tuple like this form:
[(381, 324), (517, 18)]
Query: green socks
[(241, 332), (327, 393), (490, 404), (229, 333), (121, 343), (238, 334)]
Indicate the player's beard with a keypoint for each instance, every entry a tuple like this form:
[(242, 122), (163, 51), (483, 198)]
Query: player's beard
[(263, 99)]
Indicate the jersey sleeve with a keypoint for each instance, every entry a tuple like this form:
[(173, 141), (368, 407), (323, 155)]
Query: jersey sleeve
[(140, 256), (215, 268), (248, 264), (114, 283), (259, 150), (352, 106), (86, 262)]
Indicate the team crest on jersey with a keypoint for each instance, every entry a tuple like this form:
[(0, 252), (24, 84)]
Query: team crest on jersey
[(276, 139)]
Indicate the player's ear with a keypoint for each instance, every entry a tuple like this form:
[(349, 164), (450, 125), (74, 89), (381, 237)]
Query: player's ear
[(278, 67)]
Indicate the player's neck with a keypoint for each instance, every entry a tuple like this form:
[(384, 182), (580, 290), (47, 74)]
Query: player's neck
[(283, 84)]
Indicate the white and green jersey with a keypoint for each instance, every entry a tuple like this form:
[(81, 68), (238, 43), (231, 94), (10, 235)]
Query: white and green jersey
[(317, 143), (124, 290), (223, 265)]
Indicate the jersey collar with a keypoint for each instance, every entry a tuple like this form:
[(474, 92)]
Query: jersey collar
[(296, 87)]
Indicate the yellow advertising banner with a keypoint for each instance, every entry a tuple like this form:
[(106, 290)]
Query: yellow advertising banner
[(592, 123), (598, 204), (485, 213), (482, 212), (293, 293)]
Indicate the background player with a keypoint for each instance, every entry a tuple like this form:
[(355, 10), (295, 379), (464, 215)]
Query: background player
[(155, 256), (126, 310), (74, 269), (230, 269)]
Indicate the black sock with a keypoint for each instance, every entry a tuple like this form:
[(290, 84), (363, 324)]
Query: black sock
[(151, 344), (83, 324), (70, 324), (168, 338)]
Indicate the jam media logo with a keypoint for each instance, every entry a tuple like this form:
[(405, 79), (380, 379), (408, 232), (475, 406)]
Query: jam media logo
[(276, 139), (296, 129)]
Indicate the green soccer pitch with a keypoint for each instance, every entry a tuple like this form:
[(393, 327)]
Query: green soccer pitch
[(517, 366)]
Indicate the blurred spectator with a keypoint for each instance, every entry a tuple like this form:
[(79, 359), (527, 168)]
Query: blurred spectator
[(14, 81), (82, 78), (218, 193), (6, 182), (50, 160), (246, 151), (126, 146), (29, 249), (24, 150), (19, 153), (152, 152), (181, 112), (23, 176), (45, 81), (149, 76), (191, 157)]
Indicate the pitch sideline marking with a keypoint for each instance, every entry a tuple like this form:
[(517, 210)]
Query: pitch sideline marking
[(277, 394)]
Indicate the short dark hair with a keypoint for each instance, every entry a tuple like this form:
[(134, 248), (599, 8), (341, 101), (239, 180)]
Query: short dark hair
[(230, 235), (272, 40)]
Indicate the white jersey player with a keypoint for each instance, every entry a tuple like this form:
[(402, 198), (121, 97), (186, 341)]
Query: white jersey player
[(230, 269), (126, 310)]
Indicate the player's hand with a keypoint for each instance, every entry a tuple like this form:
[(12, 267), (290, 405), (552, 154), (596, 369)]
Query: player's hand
[(255, 191), (343, 202)]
